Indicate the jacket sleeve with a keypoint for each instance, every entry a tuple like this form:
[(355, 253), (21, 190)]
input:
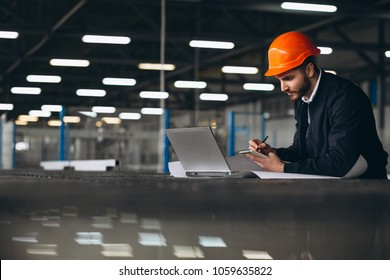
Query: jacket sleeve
[(344, 142)]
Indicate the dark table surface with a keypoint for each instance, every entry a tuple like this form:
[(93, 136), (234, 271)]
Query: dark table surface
[(117, 214)]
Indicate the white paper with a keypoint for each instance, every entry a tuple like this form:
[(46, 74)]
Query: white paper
[(177, 170)]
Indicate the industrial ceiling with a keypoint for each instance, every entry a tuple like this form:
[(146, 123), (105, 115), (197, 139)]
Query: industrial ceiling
[(358, 32)]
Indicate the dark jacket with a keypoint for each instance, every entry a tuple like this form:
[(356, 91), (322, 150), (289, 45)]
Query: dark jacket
[(342, 128)]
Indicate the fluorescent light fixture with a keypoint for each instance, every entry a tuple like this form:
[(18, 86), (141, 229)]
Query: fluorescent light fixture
[(256, 255), (211, 44), (151, 239), (71, 119), (22, 146), (30, 237), (103, 109), (240, 70), (6, 106), (8, 35), (387, 53), (42, 249), (156, 66), (19, 122), (26, 90), (129, 116), (69, 62), (259, 86), (331, 71), (309, 7), (119, 81), (325, 50), (91, 92), (211, 241), (122, 250), (190, 84), (154, 94), (43, 79), (89, 238), (88, 114), (51, 108), (103, 39), (213, 97), (54, 123), (111, 120), (39, 113), (152, 111), (27, 118)]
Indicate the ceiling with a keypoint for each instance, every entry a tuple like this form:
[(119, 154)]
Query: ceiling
[(359, 33)]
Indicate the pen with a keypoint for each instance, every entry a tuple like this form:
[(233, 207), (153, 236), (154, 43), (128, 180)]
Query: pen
[(246, 151), (265, 139)]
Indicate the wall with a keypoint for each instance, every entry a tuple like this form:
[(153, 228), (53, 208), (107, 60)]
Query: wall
[(134, 143)]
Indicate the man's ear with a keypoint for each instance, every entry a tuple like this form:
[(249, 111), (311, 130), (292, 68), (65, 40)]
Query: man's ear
[(310, 70)]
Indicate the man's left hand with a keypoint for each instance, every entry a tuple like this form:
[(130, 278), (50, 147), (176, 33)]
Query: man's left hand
[(273, 163)]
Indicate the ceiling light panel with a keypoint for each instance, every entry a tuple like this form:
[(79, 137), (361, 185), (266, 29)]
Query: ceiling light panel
[(69, 62), (190, 84), (51, 108), (106, 39), (39, 113), (55, 123), (152, 111), (129, 116), (8, 35), (325, 50), (331, 71), (71, 119), (213, 97), (119, 81), (154, 94), (240, 70), (111, 120), (308, 7), (6, 106), (156, 66), (28, 118), (91, 92), (103, 109), (211, 44), (43, 79), (26, 90), (259, 86), (19, 122)]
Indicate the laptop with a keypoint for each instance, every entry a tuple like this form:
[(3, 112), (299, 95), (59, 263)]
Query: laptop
[(198, 152)]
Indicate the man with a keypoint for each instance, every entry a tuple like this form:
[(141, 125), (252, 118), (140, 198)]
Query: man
[(335, 126)]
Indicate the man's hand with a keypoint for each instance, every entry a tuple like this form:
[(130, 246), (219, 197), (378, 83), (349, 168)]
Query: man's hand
[(273, 163), (260, 147)]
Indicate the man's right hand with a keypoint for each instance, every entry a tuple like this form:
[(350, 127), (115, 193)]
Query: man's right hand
[(260, 147)]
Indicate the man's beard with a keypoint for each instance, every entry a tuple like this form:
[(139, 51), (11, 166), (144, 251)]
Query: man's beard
[(303, 90)]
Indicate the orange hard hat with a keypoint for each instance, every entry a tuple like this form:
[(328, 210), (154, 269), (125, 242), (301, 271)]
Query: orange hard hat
[(288, 51)]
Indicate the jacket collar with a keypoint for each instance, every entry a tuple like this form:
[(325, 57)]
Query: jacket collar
[(314, 90)]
